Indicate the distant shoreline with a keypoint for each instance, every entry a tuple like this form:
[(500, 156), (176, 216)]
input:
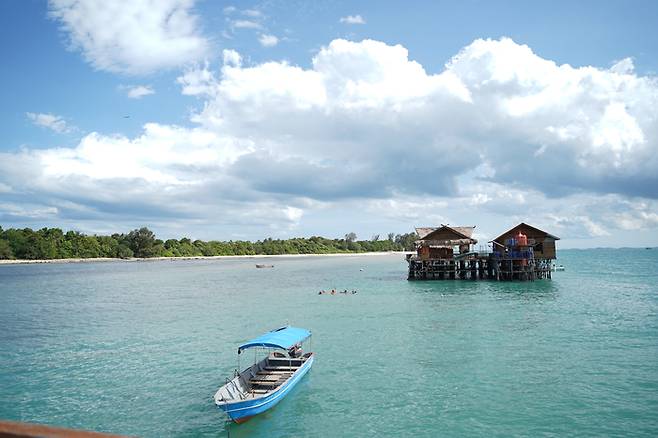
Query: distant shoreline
[(221, 257)]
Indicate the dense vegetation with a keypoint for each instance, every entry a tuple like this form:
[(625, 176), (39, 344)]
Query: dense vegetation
[(53, 243)]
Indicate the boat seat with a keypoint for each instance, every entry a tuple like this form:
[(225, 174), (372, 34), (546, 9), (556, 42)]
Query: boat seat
[(274, 373), (260, 391), (267, 377), (281, 368), (289, 362), (265, 385), (264, 381)]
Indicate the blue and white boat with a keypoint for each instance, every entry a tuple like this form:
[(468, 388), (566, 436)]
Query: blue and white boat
[(267, 381)]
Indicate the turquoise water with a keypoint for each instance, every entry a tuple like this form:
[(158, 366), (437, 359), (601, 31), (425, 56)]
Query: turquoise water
[(140, 348)]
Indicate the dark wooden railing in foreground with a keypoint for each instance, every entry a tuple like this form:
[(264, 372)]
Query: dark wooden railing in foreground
[(10, 429)]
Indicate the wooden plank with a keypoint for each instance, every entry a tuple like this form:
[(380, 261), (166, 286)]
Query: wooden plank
[(25, 430), (265, 379), (267, 384)]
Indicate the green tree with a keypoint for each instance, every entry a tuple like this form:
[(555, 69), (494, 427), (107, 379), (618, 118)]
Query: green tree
[(142, 242), (124, 252), (48, 243), (406, 241), (5, 250), (108, 246), (17, 242), (88, 247)]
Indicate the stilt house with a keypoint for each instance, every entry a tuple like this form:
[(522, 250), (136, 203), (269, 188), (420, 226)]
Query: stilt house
[(540, 242), (445, 253), (441, 242)]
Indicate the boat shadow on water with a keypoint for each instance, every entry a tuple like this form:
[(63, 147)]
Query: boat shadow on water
[(281, 417)]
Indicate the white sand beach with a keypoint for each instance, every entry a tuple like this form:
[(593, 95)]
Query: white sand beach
[(174, 259)]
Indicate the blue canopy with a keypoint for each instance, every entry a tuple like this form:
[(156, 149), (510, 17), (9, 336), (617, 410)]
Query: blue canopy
[(283, 338)]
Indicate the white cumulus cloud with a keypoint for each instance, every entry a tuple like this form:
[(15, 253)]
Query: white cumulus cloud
[(134, 37), (499, 132)]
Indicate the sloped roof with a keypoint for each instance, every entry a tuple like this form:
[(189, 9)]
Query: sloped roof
[(523, 224), (467, 232), (460, 236), (424, 231)]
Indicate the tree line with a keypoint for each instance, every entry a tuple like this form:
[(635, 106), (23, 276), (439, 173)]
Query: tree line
[(53, 243)]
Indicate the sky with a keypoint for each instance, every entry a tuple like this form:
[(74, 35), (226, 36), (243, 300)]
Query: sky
[(248, 120)]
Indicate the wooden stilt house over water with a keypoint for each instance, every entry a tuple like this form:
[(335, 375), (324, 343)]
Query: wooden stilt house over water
[(441, 253), (446, 253), (524, 253)]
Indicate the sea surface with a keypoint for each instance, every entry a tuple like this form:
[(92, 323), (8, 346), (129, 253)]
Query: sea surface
[(139, 348)]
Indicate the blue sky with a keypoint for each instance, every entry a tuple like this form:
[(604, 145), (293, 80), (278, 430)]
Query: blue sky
[(282, 118)]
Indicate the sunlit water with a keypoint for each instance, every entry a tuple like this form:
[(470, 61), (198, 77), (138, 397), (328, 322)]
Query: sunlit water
[(139, 348)]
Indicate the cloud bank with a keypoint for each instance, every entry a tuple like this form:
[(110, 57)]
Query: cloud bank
[(499, 129), (365, 112)]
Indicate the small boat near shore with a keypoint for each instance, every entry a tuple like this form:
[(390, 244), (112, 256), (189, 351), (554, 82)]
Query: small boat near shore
[(260, 266), (265, 383)]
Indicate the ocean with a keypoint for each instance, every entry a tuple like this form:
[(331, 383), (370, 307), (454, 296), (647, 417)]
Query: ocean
[(139, 348)]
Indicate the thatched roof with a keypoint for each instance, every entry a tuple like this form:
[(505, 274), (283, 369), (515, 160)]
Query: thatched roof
[(424, 231), (463, 235), (467, 232)]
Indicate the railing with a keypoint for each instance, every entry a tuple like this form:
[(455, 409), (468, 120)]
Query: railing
[(514, 255)]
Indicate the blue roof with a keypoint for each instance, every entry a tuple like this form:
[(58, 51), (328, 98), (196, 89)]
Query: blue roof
[(283, 338)]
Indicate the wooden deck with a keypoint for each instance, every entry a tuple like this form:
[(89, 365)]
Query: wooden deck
[(479, 267)]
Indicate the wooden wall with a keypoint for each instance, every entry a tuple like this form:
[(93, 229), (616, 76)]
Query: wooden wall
[(548, 249), (440, 253), (425, 253), (544, 251)]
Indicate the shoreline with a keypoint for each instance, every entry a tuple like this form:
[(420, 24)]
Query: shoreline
[(220, 257)]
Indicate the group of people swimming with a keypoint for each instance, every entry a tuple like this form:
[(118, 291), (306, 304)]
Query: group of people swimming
[(334, 292)]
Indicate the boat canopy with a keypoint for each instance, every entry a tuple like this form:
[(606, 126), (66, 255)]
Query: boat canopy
[(283, 338)]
